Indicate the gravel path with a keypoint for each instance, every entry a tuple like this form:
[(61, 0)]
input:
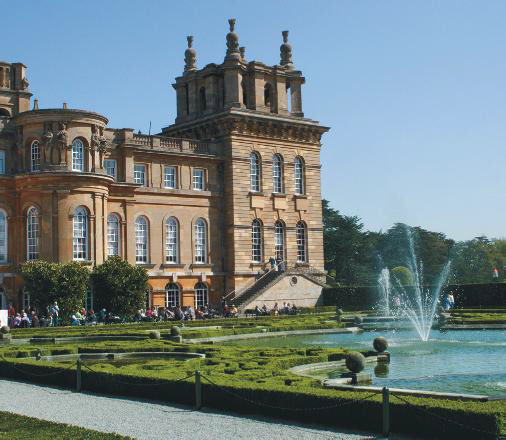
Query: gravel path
[(150, 420)]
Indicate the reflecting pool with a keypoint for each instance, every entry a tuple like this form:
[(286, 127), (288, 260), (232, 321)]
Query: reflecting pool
[(472, 362)]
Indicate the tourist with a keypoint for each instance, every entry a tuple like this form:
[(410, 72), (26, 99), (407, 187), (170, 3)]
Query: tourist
[(17, 320), (54, 312), (293, 310), (451, 300), (25, 322), (257, 312), (233, 311), (272, 262), (179, 315), (279, 262), (35, 319), (73, 320), (11, 314), (265, 310)]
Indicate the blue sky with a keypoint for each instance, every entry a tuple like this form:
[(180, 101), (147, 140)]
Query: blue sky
[(414, 90)]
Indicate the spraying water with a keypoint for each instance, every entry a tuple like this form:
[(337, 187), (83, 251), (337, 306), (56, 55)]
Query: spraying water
[(416, 303)]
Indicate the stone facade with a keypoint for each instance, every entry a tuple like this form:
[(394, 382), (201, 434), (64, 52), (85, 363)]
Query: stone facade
[(181, 203)]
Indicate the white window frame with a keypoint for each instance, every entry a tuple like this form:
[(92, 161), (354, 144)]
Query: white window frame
[(301, 239), (198, 179), (256, 241), (78, 155), (35, 156), (277, 174), (2, 162), (4, 236), (201, 295), (80, 234), (141, 240), (26, 300), (299, 175), (172, 295), (170, 177), (200, 241), (171, 241), (140, 172), (113, 235), (32, 234), (279, 240), (255, 172), (110, 170)]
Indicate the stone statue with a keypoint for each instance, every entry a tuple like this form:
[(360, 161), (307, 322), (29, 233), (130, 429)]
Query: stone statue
[(47, 139), (232, 43), (98, 144), (62, 141), (190, 56), (24, 83), (286, 52)]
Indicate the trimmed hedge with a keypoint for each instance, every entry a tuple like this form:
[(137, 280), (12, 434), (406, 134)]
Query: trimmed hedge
[(368, 297)]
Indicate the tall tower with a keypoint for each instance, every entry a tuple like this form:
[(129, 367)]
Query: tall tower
[(270, 154)]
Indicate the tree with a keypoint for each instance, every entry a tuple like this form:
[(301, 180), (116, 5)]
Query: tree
[(48, 282), (403, 275), (119, 287)]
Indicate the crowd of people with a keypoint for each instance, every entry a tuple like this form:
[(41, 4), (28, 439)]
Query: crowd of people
[(51, 317)]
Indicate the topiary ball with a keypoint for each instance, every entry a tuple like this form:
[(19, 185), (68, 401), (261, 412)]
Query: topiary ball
[(380, 344), (175, 331), (358, 320), (154, 334), (5, 329), (355, 362)]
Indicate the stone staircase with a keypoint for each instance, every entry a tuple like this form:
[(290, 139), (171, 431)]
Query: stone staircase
[(249, 294)]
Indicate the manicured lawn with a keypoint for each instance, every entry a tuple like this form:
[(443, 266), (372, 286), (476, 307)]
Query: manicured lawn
[(14, 427)]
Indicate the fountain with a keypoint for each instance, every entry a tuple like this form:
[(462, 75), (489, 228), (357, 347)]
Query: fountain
[(416, 303)]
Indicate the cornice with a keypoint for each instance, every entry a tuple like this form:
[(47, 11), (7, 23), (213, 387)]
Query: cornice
[(58, 115)]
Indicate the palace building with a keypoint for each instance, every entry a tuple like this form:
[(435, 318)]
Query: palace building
[(202, 205)]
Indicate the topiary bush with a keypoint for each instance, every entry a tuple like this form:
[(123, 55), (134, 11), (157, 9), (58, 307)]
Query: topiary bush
[(355, 362), (154, 334), (175, 331), (5, 329)]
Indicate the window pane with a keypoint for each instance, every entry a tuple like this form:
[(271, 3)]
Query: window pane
[(198, 179), (201, 295), (172, 295), (77, 155), (141, 240), (140, 174), (171, 241), (32, 234), (299, 176), (170, 177), (3, 237), (35, 156), (301, 242), (80, 238), (110, 167), (112, 235), (2, 162), (200, 242), (255, 172), (256, 241), (277, 174), (279, 241)]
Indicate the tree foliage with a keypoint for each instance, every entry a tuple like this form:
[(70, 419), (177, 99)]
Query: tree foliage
[(119, 287), (47, 282)]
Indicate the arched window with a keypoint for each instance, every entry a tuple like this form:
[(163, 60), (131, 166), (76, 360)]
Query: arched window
[(299, 176), (172, 295), (113, 235), (201, 295), (277, 173), (202, 99), (3, 236), (268, 96), (171, 240), (200, 241), (80, 234), (255, 172), (35, 156), (32, 234), (279, 241), (301, 234), (141, 240), (256, 241), (77, 155)]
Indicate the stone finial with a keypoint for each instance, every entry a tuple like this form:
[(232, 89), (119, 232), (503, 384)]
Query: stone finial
[(65, 106), (35, 104), (286, 52), (190, 56), (242, 51), (232, 43)]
